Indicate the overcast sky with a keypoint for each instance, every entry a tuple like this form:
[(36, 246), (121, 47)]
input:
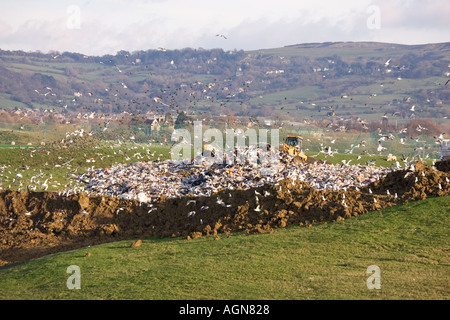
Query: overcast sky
[(98, 27)]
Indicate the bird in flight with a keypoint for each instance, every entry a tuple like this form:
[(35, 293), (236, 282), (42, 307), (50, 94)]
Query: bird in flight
[(221, 35)]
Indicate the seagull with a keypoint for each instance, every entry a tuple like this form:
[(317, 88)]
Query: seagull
[(380, 147), (191, 214), (220, 201), (412, 108), (221, 35), (346, 163), (257, 208), (387, 63)]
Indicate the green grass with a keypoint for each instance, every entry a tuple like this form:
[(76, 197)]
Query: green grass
[(409, 243), (7, 102), (58, 164), (288, 96)]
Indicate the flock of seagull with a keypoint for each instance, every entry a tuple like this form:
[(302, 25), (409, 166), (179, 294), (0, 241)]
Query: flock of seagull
[(147, 181), (152, 178)]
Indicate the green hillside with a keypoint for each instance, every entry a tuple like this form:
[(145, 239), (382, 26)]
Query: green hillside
[(298, 81)]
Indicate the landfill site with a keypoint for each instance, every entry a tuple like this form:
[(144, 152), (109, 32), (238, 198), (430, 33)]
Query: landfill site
[(167, 199)]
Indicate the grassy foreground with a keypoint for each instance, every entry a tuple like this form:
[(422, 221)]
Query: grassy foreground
[(409, 243)]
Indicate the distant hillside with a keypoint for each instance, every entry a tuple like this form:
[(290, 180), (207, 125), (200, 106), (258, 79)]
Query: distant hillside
[(315, 80)]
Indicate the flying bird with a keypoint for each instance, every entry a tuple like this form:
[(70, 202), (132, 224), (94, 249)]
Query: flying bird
[(221, 35)]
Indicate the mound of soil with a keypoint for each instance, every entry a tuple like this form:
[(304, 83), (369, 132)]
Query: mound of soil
[(443, 165), (34, 224)]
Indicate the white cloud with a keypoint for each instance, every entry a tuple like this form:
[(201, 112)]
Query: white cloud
[(110, 26)]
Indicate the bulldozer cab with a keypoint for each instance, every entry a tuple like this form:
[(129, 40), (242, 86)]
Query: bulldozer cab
[(294, 141), (293, 145)]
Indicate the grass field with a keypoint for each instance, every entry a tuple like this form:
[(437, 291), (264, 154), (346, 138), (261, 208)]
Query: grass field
[(59, 164), (409, 243)]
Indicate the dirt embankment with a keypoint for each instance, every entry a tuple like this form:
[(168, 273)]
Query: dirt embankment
[(33, 224)]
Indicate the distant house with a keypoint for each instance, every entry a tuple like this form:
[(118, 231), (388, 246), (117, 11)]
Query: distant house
[(154, 123)]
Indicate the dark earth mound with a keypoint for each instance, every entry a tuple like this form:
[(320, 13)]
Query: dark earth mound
[(443, 165), (34, 224)]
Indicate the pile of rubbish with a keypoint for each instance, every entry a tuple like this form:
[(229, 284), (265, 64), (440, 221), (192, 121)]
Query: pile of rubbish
[(147, 181)]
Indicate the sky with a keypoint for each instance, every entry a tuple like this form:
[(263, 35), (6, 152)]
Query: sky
[(99, 27)]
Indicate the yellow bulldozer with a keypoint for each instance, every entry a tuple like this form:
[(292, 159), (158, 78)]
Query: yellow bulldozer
[(293, 146)]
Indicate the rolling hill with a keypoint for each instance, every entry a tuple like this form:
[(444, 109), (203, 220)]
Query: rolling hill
[(346, 79)]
